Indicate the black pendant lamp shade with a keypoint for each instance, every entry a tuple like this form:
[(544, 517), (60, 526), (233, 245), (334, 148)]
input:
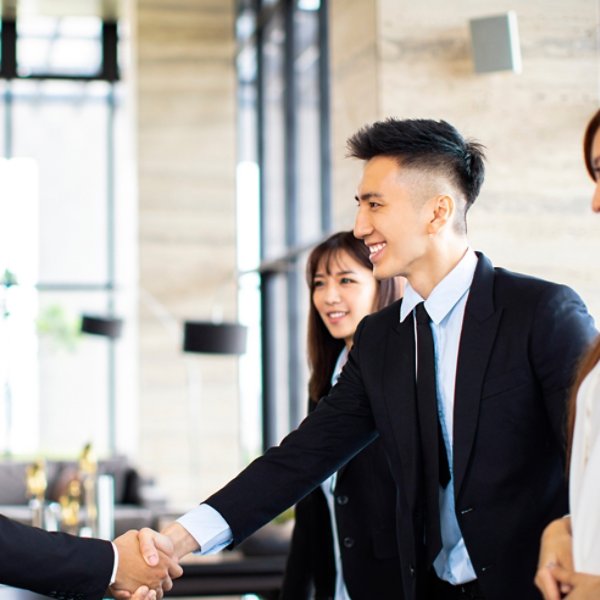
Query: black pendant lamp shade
[(214, 338), (110, 327)]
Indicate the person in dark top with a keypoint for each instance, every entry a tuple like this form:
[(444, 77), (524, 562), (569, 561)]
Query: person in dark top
[(344, 542)]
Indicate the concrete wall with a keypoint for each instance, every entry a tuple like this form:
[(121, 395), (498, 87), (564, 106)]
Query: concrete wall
[(405, 59), (185, 85)]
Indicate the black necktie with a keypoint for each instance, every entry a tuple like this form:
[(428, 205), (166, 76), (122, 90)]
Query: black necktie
[(435, 459)]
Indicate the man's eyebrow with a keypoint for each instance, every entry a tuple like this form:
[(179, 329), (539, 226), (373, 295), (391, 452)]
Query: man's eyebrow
[(367, 196)]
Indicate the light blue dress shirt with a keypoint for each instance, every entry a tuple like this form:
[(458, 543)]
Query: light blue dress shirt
[(446, 307)]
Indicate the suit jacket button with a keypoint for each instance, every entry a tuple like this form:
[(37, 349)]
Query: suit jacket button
[(342, 500), (411, 570), (348, 542)]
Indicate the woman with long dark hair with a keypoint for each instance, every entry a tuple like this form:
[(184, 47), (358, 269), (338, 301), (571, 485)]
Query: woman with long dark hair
[(569, 563), (344, 542)]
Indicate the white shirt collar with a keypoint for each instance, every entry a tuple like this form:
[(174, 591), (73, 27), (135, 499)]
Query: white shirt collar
[(446, 293)]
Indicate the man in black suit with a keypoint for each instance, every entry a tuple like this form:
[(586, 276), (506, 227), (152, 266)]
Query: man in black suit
[(68, 567), (476, 447)]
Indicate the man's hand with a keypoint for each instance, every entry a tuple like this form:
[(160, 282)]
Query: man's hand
[(144, 593), (179, 538), (581, 585), (133, 571), (556, 551)]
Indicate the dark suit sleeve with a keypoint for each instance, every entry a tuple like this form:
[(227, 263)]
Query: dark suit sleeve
[(562, 333), (54, 564), (337, 430)]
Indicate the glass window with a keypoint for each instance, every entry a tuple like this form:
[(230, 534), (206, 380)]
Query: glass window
[(273, 169), (248, 250), (3, 113), (306, 72), (73, 374), (72, 174), (18, 303), (59, 45), (288, 109), (67, 222)]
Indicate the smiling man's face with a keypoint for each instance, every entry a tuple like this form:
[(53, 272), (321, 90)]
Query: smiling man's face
[(392, 217)]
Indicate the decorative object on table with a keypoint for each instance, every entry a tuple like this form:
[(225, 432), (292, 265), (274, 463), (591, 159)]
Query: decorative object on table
[(138, 500), (70, 505), (36, 490), (106, 507), (88, 474)]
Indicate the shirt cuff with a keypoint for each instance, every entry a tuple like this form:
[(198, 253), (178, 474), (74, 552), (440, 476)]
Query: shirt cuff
[(113, 577), (208, 528)]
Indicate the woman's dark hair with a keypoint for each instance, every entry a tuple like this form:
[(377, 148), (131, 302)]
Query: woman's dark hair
[(425, 144), (323, 349), (588, 140), (591, 358)]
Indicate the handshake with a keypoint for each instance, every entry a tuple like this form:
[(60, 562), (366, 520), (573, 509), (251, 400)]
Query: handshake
[(149, 561)]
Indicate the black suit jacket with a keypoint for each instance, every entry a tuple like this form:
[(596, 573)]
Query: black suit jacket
[(365, 513), (55, 564), (520, 343)]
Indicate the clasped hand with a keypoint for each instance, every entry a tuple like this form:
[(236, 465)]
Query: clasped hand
[(556, 577), (146, 571)]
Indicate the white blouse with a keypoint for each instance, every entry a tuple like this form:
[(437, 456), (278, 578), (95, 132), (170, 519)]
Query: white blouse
[(584, 484)]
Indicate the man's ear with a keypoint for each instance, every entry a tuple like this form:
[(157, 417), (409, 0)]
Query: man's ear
[(442, 211)]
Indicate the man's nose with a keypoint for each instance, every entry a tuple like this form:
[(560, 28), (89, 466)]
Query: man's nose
[(362, 225)]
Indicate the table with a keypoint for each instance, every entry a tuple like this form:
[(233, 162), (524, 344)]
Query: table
[(231, 576), (11, 593)]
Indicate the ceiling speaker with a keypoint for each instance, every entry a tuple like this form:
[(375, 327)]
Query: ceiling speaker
[(495, 42)]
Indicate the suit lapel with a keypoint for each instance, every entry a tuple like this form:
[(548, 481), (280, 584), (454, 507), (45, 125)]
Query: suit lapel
[(477, 339)]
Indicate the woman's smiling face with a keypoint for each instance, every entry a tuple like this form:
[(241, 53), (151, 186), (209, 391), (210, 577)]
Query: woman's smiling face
[(344, 292)]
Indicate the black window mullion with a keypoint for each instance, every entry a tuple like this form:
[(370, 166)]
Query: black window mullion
[(324, 119), (267, 289), (292, 218), (8, 69), (110, 64)]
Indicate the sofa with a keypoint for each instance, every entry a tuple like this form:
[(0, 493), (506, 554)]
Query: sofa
[(138, 502)]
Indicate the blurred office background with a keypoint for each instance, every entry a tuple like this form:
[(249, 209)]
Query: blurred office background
[(172, 160)]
